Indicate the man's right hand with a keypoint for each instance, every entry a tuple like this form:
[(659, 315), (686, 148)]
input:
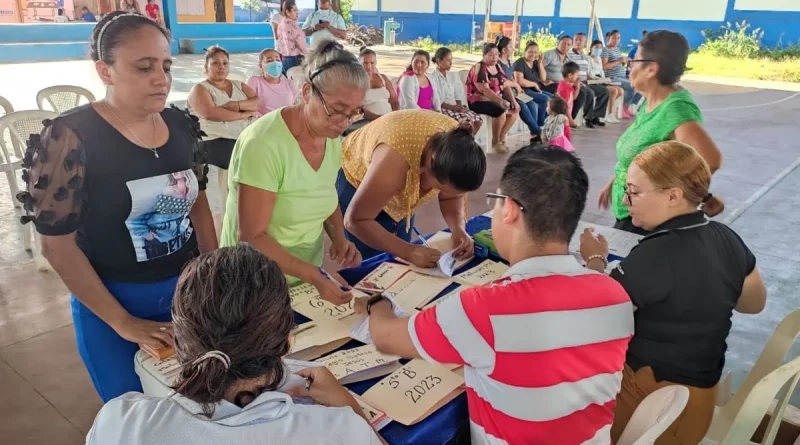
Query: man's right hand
[(422, 256)]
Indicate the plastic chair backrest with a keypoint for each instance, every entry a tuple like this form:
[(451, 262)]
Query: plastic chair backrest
[(771, 357), (21, 125), (63, 98), (5, 106), (463, 75), (654, 415), (757, 404)]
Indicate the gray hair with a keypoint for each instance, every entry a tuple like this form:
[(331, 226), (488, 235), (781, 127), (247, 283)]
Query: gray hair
[(329, 65)]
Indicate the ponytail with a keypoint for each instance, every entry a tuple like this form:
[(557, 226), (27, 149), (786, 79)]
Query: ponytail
[(712, 205)]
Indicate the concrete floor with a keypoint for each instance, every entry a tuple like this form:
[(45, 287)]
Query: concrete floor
[(47, 398)]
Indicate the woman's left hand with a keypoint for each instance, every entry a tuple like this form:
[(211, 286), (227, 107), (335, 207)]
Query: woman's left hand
[(463, 243), (345, 253), (593, 245)]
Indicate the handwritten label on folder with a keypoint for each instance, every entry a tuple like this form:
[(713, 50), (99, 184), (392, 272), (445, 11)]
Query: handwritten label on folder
[(414, 391), (307, 301), (358, 364), (381, 278)]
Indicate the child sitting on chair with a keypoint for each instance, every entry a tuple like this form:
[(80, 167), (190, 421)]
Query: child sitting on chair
[(556, 129)]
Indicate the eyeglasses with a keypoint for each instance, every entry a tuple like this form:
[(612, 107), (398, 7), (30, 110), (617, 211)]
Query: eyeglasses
[(491, 200), (641, 60), (334, 115), (629, 194)]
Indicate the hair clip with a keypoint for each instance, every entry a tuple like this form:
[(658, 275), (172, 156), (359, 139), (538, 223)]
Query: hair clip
[(105, 27), (218, 355)]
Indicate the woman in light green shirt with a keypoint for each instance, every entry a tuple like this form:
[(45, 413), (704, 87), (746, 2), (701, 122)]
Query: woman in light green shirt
[(668, 113), (282, 175)]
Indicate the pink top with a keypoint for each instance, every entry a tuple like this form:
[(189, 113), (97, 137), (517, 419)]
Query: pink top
[(425, 99), (567, 91), (272, 96), (292, 38)]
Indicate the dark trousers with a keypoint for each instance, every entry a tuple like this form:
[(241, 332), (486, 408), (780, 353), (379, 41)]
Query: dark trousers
[(593, 99), (346, 192)]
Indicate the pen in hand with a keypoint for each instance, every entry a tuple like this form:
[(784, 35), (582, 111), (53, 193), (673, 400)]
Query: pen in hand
[(422, 238), (328, 276)]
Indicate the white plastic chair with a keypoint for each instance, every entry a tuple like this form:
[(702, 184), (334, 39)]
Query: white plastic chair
[(654, 415), (63, 98), (757, 404), (21, 125), (6, 106), (770, 359)]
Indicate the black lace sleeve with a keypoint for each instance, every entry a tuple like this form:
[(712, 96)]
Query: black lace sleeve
[(200, 160), (54, 171)]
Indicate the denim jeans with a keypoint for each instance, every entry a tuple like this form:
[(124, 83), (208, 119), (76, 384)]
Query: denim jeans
[(541, 101), (396, 228), (291, 62), (529, 113)]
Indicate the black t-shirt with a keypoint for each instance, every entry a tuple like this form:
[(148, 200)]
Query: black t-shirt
[(130, 209), (530, 74), (685, 279)]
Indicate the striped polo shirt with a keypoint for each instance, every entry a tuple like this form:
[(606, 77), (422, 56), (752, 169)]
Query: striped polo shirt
[(613, 54), (543, 349)]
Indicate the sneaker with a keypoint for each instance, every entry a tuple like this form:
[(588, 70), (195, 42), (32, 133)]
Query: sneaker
[(611, 119), (627, 114)]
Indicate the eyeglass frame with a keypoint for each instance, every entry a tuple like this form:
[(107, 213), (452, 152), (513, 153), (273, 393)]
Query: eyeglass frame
[(642, 60), (332, 115), (491, 196), (628, 194)]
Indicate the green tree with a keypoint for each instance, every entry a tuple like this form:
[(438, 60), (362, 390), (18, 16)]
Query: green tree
[(346, 7), (252, 6)]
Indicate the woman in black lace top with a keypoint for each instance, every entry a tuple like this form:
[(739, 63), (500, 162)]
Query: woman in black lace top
[(117, 191)]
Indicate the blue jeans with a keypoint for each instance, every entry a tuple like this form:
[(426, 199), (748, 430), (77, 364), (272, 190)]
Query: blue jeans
[(631, 96), (529, 113), (290, 62), (346, 192), (107, 356), (541, 101)]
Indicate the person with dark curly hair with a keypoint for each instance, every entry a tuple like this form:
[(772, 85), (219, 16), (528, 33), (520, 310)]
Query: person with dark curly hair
[(116, 189), (233, 324)]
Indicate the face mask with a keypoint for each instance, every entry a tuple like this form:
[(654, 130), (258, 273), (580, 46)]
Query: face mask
[(274, 69), (597, 52)]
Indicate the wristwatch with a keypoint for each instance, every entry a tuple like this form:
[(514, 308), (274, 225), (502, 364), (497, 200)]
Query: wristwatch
[(374, 300)]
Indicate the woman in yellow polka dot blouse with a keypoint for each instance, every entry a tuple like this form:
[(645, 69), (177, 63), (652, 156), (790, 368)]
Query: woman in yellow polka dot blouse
[(397, 163)]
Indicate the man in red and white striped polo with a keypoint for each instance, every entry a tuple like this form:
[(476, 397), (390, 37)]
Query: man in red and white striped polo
[(544, 346)]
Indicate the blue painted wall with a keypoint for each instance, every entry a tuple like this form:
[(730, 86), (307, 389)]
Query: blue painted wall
[(455, 28)]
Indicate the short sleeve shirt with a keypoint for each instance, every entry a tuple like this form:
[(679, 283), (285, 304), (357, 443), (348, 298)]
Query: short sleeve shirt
[(583, 62), (649, 128), (272, 96), (128, 208), (327, 15), (529, 73), (613, 54), (685, 279), (553, 65), (407, 132), (522, 322), (267, 156)]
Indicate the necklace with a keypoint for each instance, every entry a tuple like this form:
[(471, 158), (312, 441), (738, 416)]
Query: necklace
[(133, 133)]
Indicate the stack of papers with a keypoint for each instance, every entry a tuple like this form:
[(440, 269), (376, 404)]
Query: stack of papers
[(359, 364), (360, 330), (317, 338), (414, 290)]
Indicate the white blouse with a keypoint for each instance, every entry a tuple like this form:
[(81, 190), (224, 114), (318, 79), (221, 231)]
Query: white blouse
[(408, 93), (450, 88), (137, 419)]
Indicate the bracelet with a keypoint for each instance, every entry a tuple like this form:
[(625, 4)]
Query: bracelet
[(374, 300), (598, 257)]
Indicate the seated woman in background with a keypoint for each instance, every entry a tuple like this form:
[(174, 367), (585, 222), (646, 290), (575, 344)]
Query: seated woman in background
[(274, 90), (225, 107), (381, 98), (451, 91), (488, 94), (283, 174), (614, 65), (596, 72), (397, 163), (233, 324), (415, 89), (528, 108), (292, 37), (528, 72), (685, 279)]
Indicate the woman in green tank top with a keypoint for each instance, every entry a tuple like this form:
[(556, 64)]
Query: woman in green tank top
[(668, 113)]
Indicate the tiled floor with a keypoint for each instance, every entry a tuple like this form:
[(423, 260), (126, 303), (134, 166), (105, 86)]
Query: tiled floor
[(47, 398)]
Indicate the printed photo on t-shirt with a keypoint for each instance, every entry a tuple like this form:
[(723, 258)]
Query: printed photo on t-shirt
[(159, 219)]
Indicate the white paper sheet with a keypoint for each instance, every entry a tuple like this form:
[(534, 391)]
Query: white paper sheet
[(360, 331), (620, 242)]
